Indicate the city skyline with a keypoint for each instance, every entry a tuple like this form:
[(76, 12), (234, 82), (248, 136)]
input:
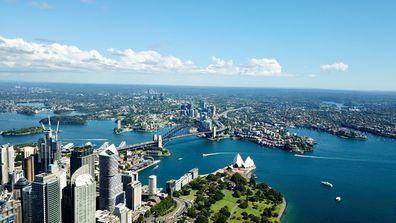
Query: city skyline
[(261, 44)]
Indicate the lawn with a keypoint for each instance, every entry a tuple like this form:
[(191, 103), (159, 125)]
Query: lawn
[(228, 201), (231, 202), (190, 197)]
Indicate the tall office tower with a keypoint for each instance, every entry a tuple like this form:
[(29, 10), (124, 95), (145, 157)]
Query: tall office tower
[(133, 195), (123, 213), (18, 188), (28, 168), (46, 198), (213, 111), (80, 157), (27, 213), (9, 208), (128, 177), (83, 188), (18, 195), (6, 162), (49, 148), (126, 180), (110, 185), (202, 104), (152, 187)]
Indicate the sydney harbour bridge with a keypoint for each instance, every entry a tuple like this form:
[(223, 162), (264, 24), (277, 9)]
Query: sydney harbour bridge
[(176, 132)]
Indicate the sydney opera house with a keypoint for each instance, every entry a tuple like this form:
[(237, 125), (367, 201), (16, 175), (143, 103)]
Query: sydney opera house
[(243, 167)]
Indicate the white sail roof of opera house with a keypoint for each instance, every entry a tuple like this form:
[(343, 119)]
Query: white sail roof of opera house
[(238, 161), (248, 162)]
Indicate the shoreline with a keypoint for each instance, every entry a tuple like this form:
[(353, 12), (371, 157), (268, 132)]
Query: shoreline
[(282, 209), (149, 165)]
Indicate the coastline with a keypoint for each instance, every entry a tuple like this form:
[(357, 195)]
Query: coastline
[(282, 209)]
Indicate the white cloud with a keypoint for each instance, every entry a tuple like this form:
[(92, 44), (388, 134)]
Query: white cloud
[(18, 55), (340, 66), (263, 67), (257, 67), (311, 75), (40, 5)]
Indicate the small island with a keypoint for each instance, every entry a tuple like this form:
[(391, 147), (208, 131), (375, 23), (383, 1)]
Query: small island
[(22, 131), (68, 120)]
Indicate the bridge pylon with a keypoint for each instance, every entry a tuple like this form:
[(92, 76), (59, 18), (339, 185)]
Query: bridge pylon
[(214, 132), (158, 140)]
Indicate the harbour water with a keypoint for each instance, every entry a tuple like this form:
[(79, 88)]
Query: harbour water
[(363, 172)]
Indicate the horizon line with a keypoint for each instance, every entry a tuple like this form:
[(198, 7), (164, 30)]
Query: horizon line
[(205, 86)]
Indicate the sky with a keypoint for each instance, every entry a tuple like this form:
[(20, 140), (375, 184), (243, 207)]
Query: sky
[(327, 44)]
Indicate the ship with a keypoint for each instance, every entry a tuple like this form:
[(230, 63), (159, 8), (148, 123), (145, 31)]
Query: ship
[(326, 183), (338, 199)]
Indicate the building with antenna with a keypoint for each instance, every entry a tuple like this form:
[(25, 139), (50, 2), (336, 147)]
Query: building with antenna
[(49, 147)]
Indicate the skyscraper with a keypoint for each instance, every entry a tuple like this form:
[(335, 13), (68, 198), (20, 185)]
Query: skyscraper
[(46, 198), (133, 195), (110, 185), (9, 208), (83, 188), (202, 105), (80, 157), (28, 168), (49, 148), (27, 212), (152, 187), (6, 162)]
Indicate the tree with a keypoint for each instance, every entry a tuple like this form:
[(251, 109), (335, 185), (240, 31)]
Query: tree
[(243, 204), (140, 219), (201, 219), (218, 195), (252, 181), (236, 194), (192, 212)]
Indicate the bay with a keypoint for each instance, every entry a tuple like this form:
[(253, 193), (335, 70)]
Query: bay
[(363, 172)]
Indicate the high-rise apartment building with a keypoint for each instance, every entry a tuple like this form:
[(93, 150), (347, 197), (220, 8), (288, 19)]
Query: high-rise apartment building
[(83, 188), (46, 197), (80, 157), (152, 187), (110, 185), (133, 195), (7, 157)]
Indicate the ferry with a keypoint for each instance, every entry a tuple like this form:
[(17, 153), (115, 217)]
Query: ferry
[(326, 183)]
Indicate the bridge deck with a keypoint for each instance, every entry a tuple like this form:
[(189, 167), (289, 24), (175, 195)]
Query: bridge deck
[(165, 140)]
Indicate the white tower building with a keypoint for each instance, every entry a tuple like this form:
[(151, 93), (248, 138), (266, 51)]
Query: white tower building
[(7, 156), (152, 187)]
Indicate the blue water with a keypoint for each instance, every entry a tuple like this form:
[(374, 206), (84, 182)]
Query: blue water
[(363, 172)]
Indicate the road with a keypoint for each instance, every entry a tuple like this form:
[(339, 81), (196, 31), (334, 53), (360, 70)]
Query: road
[(181, 207), (232, 110)]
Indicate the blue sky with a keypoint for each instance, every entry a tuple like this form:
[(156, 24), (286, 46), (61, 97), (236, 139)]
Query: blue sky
[(297, 44)]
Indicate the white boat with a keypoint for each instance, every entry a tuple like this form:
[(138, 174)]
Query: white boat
[(326, 183), (338, 199), (180, 159)]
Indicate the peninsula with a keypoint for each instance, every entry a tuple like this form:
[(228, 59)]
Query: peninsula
[(22, 131)]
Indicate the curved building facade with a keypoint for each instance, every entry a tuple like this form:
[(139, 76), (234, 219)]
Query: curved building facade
[(110, 185)]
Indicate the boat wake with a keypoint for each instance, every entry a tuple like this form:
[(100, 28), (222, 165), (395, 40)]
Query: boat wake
[(214, 154), (341, 158)]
